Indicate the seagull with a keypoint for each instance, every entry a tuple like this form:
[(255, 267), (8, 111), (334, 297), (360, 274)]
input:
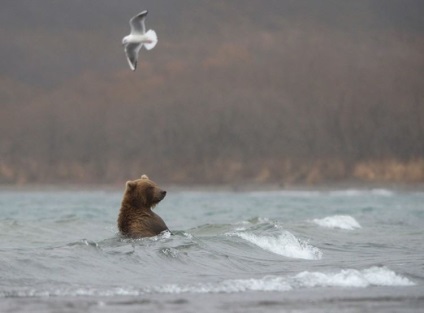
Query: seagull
[(137, 38)]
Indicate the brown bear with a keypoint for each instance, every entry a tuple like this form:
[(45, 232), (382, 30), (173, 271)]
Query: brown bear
[(136, 218)]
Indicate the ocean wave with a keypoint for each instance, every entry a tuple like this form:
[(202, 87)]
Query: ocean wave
[(361, 192), (321, 192), (287, 193), (267, 283), (374, 276), (382, 192), (285, 244), (348, 278), (338, 221)]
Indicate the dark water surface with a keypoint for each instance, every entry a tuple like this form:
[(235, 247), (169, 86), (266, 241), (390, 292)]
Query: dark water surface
[(352, 250)]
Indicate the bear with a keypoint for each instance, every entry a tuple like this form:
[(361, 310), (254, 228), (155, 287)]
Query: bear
[(136, 218)]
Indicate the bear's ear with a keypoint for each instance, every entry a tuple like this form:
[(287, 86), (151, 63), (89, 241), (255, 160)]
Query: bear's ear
[(130, 184), (144, 176)]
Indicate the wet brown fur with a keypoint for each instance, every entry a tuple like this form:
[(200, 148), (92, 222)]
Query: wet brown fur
[(136, 218)]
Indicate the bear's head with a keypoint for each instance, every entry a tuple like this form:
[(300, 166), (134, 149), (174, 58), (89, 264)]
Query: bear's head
[(143, 193)]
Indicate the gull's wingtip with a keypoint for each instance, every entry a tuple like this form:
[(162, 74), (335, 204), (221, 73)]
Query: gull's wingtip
[(139, 15), (133, 66), (142, 13)]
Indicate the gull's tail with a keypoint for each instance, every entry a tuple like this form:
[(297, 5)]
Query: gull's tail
[(152, 37)]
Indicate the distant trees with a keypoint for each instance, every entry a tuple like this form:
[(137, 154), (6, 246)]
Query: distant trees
[(297, 105)]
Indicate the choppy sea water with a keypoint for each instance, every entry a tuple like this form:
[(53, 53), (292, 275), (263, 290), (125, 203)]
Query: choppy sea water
[(352, 250)]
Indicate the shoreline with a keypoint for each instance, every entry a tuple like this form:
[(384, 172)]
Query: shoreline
[(216, 187)]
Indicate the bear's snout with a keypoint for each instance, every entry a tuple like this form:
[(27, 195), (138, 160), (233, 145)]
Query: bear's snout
[(162, 194)]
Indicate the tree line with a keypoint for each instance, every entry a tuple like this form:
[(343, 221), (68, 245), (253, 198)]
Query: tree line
[(295, 105)]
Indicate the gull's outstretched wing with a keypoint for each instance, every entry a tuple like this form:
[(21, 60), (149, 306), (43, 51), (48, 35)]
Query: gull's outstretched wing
[(132, 50), (137, 23)]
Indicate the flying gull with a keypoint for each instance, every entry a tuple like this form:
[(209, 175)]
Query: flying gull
[(137, 38)]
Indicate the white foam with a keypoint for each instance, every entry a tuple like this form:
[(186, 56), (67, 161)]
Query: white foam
[(348, 278), (361, 192), (267, 283), (166, 234), (286, 244), (382, 192), (374, 276), (338, 221)]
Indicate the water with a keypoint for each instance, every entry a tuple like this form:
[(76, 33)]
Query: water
[(296, 251)]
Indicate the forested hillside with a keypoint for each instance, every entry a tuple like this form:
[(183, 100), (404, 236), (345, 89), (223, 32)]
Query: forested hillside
[(235, 91)]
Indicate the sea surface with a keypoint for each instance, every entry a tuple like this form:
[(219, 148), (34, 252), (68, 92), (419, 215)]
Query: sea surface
[(326, 250)]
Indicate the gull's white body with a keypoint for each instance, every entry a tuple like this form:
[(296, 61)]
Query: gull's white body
[(137, 38)]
